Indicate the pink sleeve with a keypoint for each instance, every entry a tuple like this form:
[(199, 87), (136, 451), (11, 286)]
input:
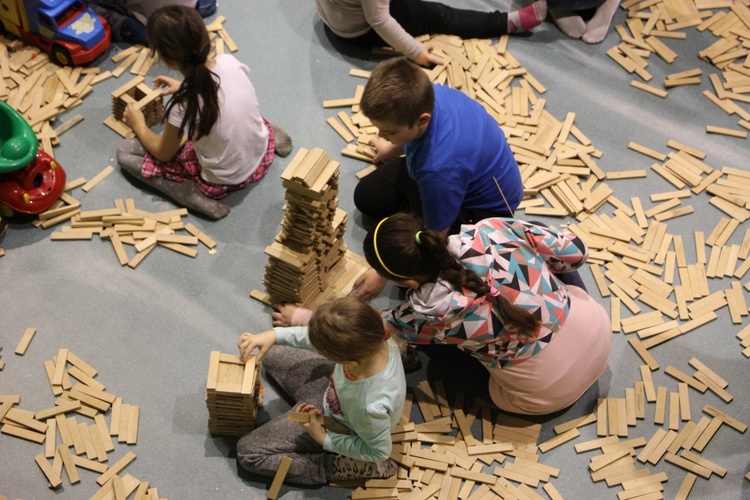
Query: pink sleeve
[(301, 316)]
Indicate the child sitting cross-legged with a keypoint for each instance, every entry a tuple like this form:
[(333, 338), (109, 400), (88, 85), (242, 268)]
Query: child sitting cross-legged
[(215, 141), (342, 365)]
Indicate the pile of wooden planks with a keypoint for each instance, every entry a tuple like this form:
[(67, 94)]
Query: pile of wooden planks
[(442, 458), (41, 90), (310, 248), (124, 224), (83, 444), (650, 21), (233, 394)]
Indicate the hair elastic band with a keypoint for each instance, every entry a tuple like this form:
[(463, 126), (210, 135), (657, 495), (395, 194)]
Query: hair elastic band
[(416, 238), (494, 291), (377, 254)]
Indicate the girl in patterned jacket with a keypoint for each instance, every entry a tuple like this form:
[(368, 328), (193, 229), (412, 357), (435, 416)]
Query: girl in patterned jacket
[(526, 340)]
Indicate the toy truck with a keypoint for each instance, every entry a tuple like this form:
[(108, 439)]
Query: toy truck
[(68, 30), (30, 179)]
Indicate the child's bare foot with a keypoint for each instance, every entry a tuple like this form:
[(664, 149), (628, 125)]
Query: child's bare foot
[(569, 22), (598, 26), (283, 141), (528, 17)]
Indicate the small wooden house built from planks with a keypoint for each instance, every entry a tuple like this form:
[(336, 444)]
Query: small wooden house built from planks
[(233, 394)]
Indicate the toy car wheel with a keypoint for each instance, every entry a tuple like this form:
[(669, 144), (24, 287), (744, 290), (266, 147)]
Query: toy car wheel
[(61, 55), (6, 211)]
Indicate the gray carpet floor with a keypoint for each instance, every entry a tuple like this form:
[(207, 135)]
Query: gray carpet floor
[(149, 331)]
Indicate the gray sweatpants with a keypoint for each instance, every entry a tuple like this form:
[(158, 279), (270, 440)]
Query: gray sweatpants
[(304, 376)]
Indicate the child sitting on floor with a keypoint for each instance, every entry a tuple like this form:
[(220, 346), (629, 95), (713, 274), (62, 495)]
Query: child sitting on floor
[(456, 156), (356, 376), (229, 143), (397, 22)]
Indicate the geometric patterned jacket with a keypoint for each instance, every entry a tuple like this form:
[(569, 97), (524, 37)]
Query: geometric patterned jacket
[(518, 259)]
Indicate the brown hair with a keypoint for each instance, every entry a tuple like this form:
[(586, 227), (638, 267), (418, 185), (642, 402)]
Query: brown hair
[(179, 36), (398, 251), (398, 91), (347, 329)]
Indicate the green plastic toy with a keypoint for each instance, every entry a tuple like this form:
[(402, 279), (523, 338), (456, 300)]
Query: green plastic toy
[(18, 143)]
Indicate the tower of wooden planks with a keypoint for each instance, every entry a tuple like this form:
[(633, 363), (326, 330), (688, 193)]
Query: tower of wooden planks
[(145, 98), (233, 394), (311, 241)]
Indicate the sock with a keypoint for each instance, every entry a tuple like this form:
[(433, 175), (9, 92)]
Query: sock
[(283, 141), (528, 17), (598, 26), (346, 468)]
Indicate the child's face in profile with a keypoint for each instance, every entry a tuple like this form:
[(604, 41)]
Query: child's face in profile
[(398, 134)]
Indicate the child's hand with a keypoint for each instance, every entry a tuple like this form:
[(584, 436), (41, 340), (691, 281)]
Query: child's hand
[(384, 150), (425, 58), (369, 285), (314, 427), (283, 317), (263, 341), (133, 117), (167, 84)]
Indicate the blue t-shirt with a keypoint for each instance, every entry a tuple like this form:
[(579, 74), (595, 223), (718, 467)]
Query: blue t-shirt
[(456, 158)]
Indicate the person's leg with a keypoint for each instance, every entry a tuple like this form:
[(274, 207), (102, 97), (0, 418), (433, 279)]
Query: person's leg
[(569, 22), (303, 375), (387, 191), (262, 450), (131, 156), (462, 367), (421, 18), (598, 26)]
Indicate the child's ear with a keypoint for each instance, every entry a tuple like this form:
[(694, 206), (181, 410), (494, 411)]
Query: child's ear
[(424, 119), (412, 283)]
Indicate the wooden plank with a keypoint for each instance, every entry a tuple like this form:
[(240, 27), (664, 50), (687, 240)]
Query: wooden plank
[(730, 421), (23, 344), (559, 440), (54, 478), (688, 465), (97, 178), (648, 383)]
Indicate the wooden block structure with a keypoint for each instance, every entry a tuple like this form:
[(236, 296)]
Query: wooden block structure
[(307, 259), (136, 92), (233, 394)]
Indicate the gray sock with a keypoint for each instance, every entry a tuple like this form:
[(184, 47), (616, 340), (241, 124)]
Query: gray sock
[(283, 141)]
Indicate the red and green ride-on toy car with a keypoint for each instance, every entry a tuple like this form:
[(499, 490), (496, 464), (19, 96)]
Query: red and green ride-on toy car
[(30, 179)]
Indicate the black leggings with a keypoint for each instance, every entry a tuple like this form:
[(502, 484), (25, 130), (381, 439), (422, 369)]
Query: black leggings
[(422, 18), (390, 190)]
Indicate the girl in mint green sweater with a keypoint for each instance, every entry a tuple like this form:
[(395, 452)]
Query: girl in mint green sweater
[(341, 365)]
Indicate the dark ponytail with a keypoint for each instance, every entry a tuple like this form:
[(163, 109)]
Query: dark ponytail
[(179, 36), (405, 249)]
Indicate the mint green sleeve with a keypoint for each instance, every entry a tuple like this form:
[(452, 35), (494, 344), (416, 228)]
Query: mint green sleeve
[(294, 336), (371, 439)]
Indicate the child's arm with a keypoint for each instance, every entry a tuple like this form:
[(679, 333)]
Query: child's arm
[(378, 16), (263, 341), (163, 147), (562, 251), (369, 285), (370, 442), (291, 315), (385, 150)]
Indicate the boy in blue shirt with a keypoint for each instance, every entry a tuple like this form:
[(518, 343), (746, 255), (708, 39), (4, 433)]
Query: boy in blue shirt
[(455, 151)]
